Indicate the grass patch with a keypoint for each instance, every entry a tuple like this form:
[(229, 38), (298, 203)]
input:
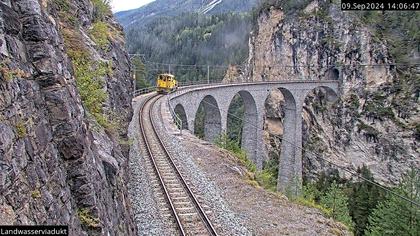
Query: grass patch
[(311, 203), (99, 34), (102, 9), (36, 194), (9, 74), (65, 12), (87, 219), (265, 178), (62, 5), (21, 129), (224, 142), (89, 77)]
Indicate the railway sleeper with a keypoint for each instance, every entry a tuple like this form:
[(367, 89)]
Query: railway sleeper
[(177, 194), (164, 166), (188, 218), (185, 209), (199, 232), (167, 172), (179, 198), (175, 189), (182, 204), (170, 179)]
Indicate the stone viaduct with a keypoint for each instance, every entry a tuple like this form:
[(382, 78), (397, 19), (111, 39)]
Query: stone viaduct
[(216, 100)]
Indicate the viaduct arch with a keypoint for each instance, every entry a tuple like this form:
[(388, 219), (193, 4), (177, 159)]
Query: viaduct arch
[(216, 100)]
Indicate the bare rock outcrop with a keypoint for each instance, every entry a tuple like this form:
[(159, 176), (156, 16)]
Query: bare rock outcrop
[(376, 120), (59, 163)]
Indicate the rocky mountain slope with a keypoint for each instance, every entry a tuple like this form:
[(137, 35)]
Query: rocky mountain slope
[(153, 10), (376, 121), (65, 103)]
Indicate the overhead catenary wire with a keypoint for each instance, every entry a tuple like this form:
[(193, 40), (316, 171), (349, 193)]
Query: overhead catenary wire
[(287, 66), (353, 173), (153, 66), (206, 68)]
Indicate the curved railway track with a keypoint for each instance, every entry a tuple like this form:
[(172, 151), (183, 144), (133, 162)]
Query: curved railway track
[(177, 203)]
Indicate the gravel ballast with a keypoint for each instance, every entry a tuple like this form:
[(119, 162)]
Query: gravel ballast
[(146, 213)]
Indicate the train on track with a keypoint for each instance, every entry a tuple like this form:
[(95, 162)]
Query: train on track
[(166, 83)]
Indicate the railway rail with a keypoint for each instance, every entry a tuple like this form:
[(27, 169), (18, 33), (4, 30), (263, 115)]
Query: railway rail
[(177, 202)]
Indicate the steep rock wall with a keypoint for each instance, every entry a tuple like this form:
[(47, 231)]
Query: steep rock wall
[(376, 120), (58, 164)]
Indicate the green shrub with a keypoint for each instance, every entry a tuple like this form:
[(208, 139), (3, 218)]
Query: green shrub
[(337, 201), (89, 76), (310, 197), (65, 12), (89, 82), (288, 6), (21, 129), (62, 5), (87, 219), (311, 203), (8, 74), (367, 129), (36, 194), (224, 142), (99, 34), (102, 9), (310, 192), (378, 111), (266, 178), (353, 101), (417, 131)]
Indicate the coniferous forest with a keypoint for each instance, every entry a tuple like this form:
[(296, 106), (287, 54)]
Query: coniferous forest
[(192, 39)]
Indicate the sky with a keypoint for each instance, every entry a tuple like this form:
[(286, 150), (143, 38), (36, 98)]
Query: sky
[(122, 5)]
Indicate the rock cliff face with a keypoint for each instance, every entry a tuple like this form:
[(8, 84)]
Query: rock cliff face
[(64, 76), (376, 120)]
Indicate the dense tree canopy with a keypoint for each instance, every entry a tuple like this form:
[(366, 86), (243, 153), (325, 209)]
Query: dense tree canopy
[(192, 39), (396, 216)]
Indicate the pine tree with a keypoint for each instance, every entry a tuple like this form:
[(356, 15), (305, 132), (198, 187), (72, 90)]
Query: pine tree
[(140, 74), (396, 216), (337, 201)]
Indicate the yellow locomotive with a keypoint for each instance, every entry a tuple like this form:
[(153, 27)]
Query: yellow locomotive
[(166, 83)]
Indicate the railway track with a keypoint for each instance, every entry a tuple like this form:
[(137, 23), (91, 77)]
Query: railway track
[(178, 205)]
